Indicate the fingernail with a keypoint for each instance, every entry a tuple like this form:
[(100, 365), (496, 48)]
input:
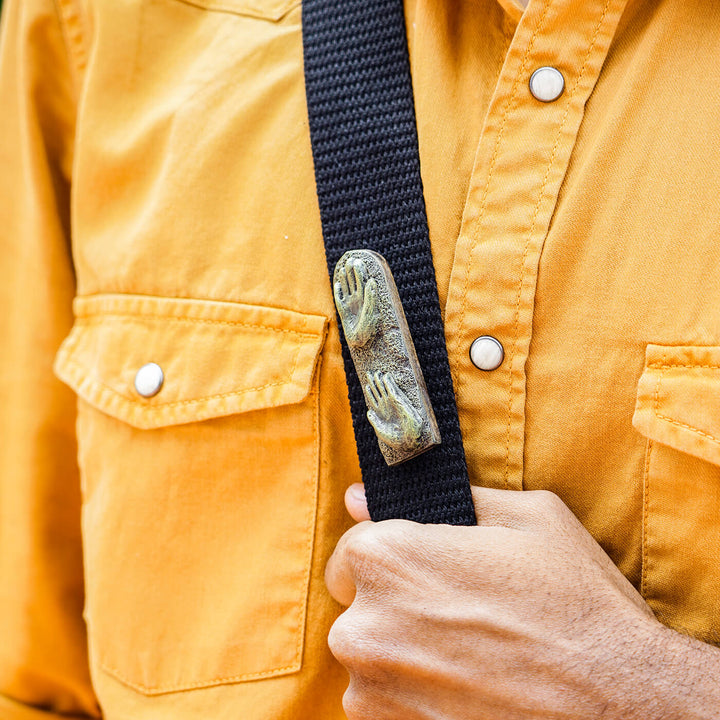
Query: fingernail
[(357, 492)]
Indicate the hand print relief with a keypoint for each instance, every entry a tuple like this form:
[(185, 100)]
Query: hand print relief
[(356, 302), (397, 423), (382, 350)]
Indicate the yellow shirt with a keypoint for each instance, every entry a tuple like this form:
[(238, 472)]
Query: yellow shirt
[(156, 168)]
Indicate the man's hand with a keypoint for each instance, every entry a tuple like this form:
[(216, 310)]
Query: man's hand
[(523, 616)]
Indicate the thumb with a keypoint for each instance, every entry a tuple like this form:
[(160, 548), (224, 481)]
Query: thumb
[(356, 503)]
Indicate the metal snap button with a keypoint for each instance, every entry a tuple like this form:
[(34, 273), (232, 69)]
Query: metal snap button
[(547, 84), (149, 379), (487, 353)]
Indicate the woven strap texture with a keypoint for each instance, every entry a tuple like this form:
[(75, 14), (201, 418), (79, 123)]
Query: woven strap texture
[(367, 172)]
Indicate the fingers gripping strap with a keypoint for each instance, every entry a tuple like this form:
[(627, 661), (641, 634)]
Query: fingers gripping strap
[(367, 172)]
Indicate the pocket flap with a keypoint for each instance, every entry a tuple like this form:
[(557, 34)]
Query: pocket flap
[(217, 358), (678, 399), (264, 9)]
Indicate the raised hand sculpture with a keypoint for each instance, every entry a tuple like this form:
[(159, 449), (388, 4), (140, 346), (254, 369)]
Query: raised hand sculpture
[(382, 350), (356, 301), (397, 423)]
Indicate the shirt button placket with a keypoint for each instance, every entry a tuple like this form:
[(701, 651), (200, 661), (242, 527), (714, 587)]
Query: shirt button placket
[(551, 68)]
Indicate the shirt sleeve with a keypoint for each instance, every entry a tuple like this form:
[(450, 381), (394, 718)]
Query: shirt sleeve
[(43, 654)]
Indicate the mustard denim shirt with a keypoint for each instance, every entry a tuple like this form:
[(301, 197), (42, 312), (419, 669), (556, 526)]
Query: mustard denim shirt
[(163, 557)]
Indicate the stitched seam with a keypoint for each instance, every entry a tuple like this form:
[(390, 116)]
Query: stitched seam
[(486, 191), (646, 506), (152, 690), (241, 11), (311, 518), (201, 321), (646, 495), (669, 366), (685, 426), (137, 403), (713, 636), (72, 32), (656, 396), (656, 402), (523, 270)]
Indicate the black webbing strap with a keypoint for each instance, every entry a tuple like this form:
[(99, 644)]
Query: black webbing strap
[(367, 172)]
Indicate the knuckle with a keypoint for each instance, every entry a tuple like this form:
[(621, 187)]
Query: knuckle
[(340, 640), (374, 553), (549, 502), (356, 642), (392, 533), (364, 545)]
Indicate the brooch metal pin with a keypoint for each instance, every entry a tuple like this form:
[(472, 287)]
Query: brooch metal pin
[(384, 356)]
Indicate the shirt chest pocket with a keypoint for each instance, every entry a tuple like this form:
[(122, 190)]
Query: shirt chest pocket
[(678, 410), (198, 502)]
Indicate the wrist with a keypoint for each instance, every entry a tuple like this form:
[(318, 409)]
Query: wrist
[(670, 676)]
